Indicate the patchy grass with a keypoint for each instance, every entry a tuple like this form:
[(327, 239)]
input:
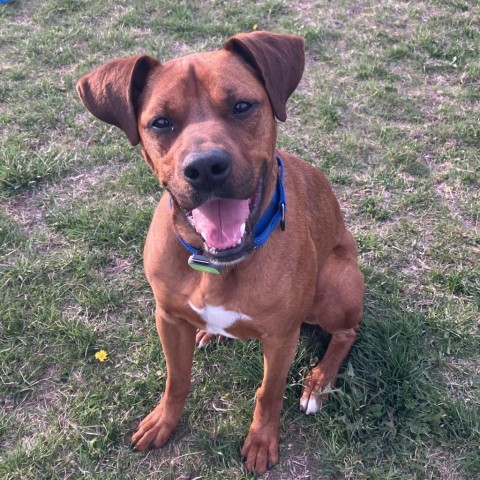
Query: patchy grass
[(388, 109)]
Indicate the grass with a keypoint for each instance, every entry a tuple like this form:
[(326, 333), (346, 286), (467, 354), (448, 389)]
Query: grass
[(388, 109)]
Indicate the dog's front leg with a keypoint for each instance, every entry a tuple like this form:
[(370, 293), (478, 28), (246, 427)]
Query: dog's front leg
[(260, 449), (178, 342)]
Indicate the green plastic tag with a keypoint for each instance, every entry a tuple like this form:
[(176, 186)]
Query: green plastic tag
[(202, 264)]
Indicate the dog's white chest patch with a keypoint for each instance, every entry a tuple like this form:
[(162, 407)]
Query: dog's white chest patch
[(218, 319)]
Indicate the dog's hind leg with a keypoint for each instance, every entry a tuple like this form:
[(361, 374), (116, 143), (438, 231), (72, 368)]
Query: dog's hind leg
[(337, 310), (322, 377), (203, 339)]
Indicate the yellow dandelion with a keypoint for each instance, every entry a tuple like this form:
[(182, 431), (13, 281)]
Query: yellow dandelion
[(101, 355), (255, 27)]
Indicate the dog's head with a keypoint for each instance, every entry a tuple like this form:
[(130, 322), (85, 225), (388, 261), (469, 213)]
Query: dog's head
[(206, 124)]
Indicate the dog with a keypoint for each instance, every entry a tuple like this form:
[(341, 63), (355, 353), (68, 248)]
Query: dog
[(247, 241)]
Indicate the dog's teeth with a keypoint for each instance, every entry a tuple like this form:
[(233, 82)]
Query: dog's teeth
[(242, 229)]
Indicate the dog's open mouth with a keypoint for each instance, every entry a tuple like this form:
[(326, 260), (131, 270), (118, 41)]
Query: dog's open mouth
[(225, 225)]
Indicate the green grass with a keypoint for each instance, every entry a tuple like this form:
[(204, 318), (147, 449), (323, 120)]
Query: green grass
[(388, 109)]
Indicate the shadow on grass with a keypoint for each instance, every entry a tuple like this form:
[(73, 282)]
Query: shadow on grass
[(391, 402)]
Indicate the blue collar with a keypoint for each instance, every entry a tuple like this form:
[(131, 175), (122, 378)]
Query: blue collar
[(273, 216)]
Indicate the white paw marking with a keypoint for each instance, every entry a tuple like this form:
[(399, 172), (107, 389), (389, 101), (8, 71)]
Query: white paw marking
[(218, 319), (309, 405), (312, 406)]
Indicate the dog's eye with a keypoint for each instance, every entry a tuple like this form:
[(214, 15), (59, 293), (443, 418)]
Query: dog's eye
[(162, 124), (241, 107)]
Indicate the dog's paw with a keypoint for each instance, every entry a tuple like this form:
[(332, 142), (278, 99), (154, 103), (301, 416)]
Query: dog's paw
[(204, 338), (153, 431), (316, 391), (260, 451)]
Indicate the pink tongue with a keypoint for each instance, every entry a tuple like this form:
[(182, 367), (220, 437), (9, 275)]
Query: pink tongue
[(220, 222)]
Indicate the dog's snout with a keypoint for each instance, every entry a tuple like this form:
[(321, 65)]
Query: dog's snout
[(207, 170)]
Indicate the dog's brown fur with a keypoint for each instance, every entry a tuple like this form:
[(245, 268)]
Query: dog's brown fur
[(309, 273)]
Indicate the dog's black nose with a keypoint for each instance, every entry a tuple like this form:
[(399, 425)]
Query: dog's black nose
[(207, 170)]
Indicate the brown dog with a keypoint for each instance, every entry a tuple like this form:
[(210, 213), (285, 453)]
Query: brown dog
[(206, 124)]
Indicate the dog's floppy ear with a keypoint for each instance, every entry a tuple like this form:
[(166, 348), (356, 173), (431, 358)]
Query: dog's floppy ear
[(109, 92), (279, 60)]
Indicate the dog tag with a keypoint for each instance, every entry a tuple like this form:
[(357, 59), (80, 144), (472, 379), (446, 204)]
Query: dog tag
[(203, 264)]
